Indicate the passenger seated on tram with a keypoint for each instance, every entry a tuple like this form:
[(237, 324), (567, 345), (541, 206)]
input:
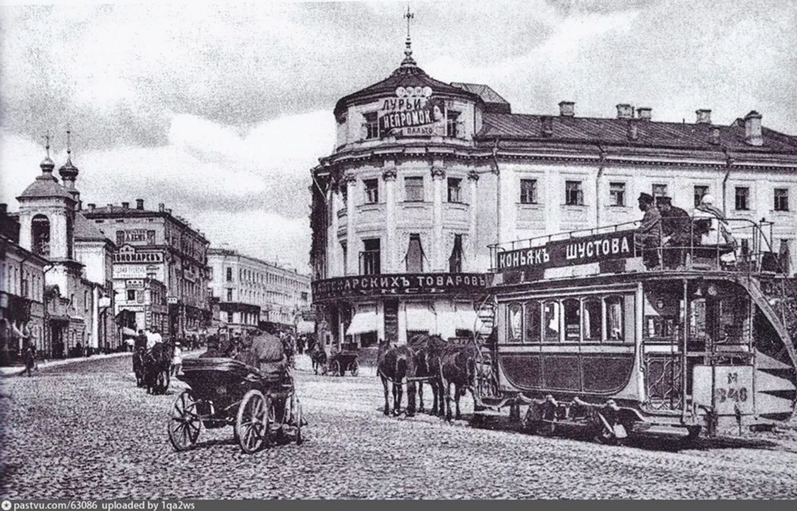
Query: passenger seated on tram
[(713, 230), (648, 235)]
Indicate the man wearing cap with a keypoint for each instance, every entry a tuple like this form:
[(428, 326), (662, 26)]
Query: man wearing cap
[(648, 237), (676, 232)]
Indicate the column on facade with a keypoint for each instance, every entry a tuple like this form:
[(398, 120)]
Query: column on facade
[(352, 249), (389, 176), (438, 257), (95, 317), (469, 261), (332, 234)]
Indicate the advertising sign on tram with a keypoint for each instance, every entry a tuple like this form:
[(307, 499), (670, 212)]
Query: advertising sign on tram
[(573, 251)]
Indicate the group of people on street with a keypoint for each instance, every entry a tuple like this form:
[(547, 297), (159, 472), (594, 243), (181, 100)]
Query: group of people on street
[(673, 232)]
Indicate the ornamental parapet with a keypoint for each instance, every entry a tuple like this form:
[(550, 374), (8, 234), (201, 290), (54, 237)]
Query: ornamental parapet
[(408, 284)]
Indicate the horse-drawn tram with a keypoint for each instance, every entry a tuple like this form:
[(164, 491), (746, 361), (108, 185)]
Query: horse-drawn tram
[(601, 328)]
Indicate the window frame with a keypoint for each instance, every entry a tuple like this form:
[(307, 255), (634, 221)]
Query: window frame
[(745, 196), (617, 197), (573, 186), (781, 201), (452, 123), (704, 188), (371, 125), (510, 338), (524, 197), (414, 189), (371, 193), (456, 197), (660, 193)]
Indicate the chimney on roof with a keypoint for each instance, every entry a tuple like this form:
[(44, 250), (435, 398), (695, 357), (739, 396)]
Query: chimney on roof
[(752, 129), (125, 205), (139, 203), (567, 108), (169, 210), (110, 207), (161, 207), (92, 206), (703, 116), (715, 136), (644, 113), (625, 111), (633, 129), (547, 126)]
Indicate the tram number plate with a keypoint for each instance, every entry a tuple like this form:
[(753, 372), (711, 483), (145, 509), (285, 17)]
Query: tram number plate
[(726, 389)]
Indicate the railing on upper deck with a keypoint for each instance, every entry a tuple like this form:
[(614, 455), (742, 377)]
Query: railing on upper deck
[(748, 249)]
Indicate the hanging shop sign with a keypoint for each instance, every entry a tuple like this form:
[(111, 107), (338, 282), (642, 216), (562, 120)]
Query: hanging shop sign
[(403, 284), (570, 252), (413, 112)]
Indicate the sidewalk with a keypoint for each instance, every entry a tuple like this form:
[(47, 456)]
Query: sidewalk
[(19, 369)]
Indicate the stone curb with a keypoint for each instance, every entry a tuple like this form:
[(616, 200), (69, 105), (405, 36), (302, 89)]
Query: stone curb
[(18, 370)]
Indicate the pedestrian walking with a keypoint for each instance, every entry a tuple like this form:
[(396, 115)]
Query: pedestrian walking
[(177, 359)]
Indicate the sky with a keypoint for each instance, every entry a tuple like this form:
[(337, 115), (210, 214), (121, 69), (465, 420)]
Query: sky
[(220, 110)]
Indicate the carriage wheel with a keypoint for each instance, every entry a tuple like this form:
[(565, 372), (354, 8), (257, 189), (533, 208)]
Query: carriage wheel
[(355, 368), (184, 423), (336, 368), (252, 421)]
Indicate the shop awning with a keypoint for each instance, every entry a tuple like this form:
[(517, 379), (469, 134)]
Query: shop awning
[(129, 332), (449, 322), (363, 322), (420, 318)]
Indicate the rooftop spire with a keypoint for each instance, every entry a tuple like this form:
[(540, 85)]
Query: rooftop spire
[(68, 171), (408, 60), (47, 164)]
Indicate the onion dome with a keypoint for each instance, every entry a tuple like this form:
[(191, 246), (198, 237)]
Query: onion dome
[(68, 171)]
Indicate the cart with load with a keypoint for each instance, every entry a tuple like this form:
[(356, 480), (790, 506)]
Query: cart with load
[(261, 407)]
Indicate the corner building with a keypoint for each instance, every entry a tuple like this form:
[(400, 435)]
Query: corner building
[(426, 175)]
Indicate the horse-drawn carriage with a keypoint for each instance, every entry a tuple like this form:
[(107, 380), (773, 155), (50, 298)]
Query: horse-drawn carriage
[(152, 367), (262, 408), (345, 360)]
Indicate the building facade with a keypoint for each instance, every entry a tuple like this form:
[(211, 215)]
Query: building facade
[(21, 291), (76, 293), (156, 245), (256, 294), (426, 175)]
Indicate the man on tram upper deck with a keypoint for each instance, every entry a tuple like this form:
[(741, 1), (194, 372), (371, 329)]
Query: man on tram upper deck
[(676, 232), (648, 236)]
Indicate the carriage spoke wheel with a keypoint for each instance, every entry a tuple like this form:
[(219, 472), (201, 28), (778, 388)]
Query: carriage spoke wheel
[(355, 368), (336, 368), (252, 421), (184, 423), (298, 419)]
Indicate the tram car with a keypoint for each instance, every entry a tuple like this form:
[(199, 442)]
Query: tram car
[(586, 334)]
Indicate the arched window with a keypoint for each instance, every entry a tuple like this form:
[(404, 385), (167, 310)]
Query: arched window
[(572, 316), (40, 235), (515, 323), (593, 319), (552, 321), (533, 330)]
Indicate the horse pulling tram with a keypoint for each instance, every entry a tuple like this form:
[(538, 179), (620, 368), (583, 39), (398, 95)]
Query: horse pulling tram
[(224, 392), (587, 335)]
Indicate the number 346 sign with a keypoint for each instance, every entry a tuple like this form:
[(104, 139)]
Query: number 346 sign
[(724, 388)]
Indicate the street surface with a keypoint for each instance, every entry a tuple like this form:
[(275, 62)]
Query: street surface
[(84, 431)]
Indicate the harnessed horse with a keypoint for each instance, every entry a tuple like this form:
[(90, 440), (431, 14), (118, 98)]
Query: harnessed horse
[(396, 364)]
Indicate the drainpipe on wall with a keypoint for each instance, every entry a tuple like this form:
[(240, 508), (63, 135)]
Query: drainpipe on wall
[(601, 164), (728, 165), (497, 172)]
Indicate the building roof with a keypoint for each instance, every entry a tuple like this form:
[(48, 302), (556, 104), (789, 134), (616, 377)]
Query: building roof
[(45, 185), (407, 75), (232, 253), (87, 231), (493, 101), (523, 127), (121, 212)]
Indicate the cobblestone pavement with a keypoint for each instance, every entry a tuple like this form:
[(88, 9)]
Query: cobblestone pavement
[(85, 431)]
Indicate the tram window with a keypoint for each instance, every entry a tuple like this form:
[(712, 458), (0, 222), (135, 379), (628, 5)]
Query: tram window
[(733, 316), (572, 313), (615, 324), (532, 322), (551, 321), (514, 321), (593, 319), (698, 321)]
